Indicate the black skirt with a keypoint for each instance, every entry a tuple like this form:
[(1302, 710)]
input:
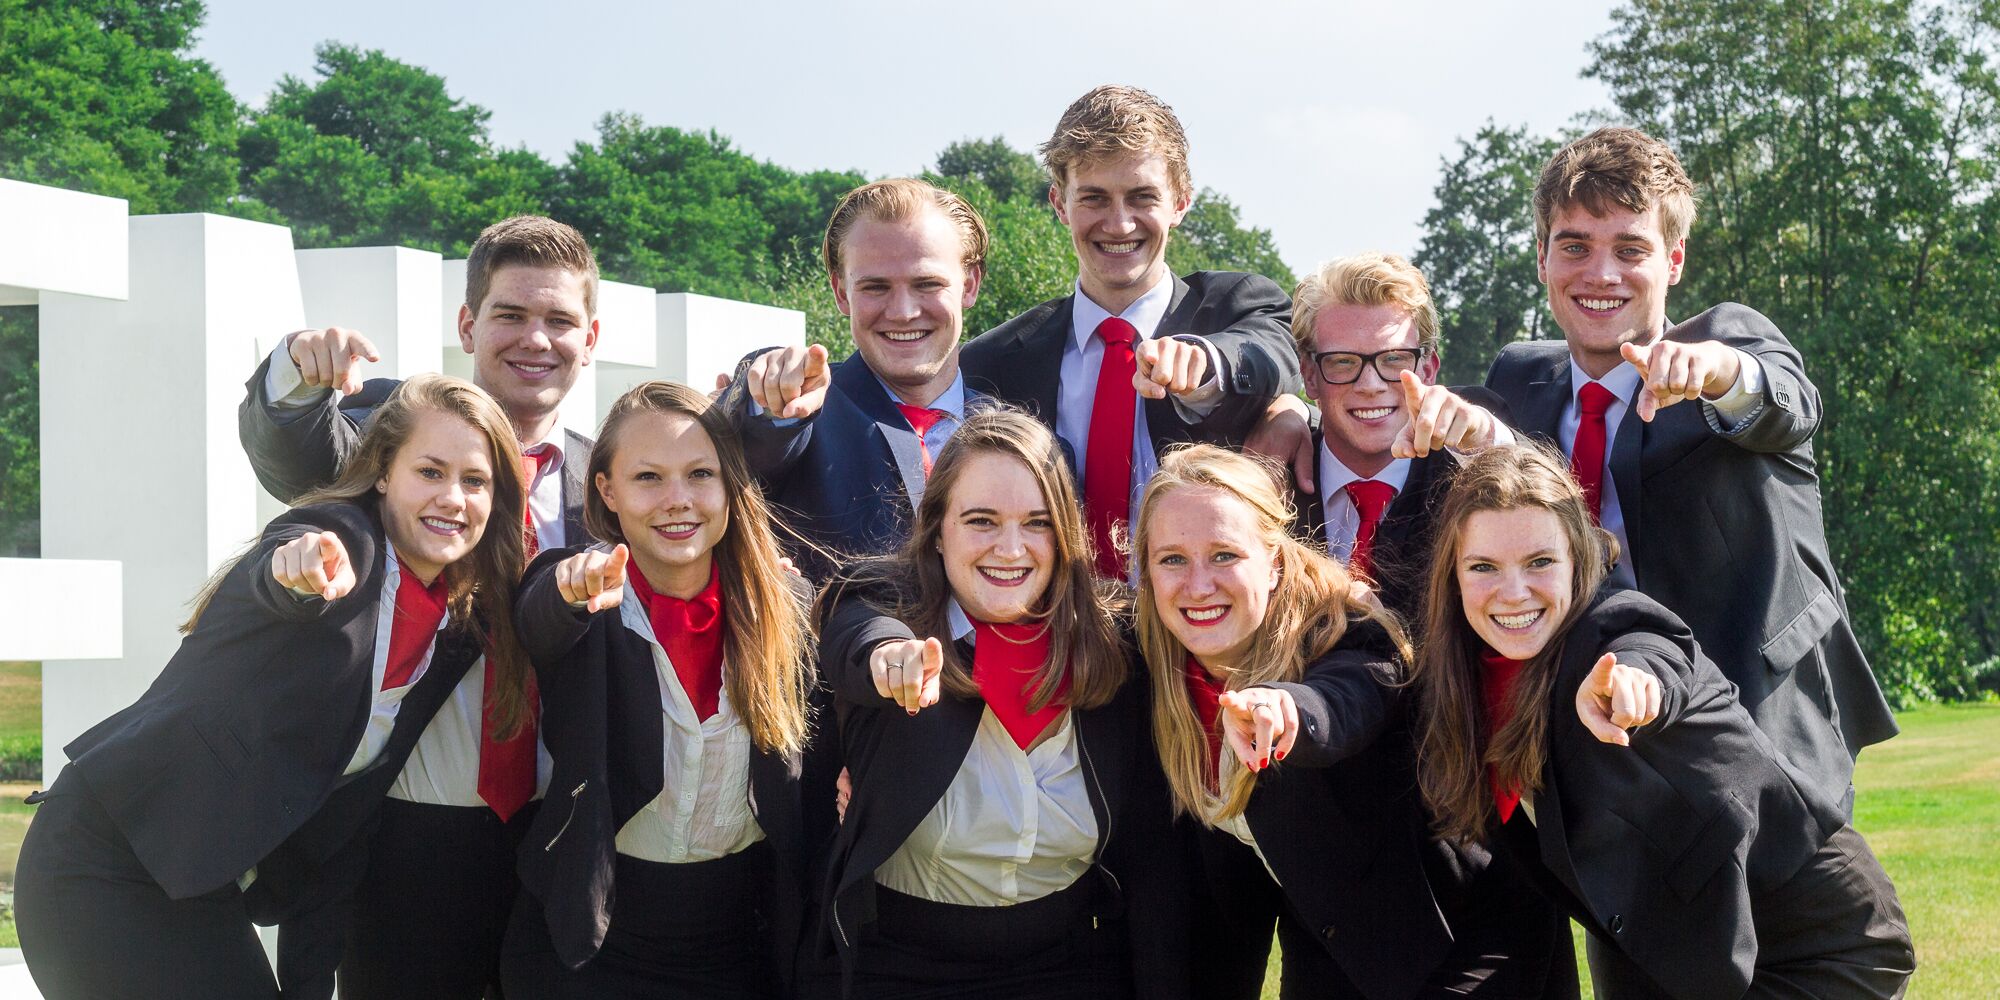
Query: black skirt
[(694, 931), (1063, 946)]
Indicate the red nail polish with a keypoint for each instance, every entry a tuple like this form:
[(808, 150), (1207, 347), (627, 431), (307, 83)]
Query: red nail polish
[(1281, 755)]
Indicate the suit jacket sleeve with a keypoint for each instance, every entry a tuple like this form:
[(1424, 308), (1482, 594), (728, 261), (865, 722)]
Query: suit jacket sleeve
[(1789, 413), (852, 629), (771, 448), (545, 623), (295, 453), (1247, 319), (1345, 700), (1667, 662)]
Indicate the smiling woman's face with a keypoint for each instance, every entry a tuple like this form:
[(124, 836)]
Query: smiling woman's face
[(997, 542), (1211, 572), (1514, 578)]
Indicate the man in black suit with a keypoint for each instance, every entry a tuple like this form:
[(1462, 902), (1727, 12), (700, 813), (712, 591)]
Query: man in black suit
[(1715, 505), (842, 450), (1205, 353), (1367, 335), (441, 881)]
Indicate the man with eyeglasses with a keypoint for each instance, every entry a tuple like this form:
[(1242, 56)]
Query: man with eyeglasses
[(1367, 337)]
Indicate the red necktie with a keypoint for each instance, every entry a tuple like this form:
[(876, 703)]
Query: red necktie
[(507, 767), (1107, 464), (1005, 659), (691, 633), (1586, 455), (922, 420), (1205, 694), (419, 609), (1371, 497), (1497, 675)]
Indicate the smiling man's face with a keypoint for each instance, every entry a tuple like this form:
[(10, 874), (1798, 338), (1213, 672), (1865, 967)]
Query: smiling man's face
[(530, 338), (1608, 277)]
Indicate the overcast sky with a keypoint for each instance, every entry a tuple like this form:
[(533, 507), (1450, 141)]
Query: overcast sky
[(1323, 121)]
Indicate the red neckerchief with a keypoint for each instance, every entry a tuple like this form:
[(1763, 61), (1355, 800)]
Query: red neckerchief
[(1497, 676), (1205, 694), (1005, 659), (691, 633), (419, 609)]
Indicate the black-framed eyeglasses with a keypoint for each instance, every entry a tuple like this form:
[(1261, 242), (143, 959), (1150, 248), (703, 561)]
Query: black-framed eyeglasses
[(1344, 367)]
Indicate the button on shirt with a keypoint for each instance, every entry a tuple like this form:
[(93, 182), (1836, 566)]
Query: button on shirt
[(1013, 826), (1343, 521), (704, 811), (1726, 415), (1083, 355)]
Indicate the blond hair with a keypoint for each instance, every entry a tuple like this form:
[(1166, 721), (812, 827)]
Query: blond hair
[(899, 199), (1365, 279), (1616, 166), (1310, 610), (768, 637), (1112, 121), (530, 241)]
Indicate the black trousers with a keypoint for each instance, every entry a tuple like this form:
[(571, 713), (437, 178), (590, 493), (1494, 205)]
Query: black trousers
[(1063, 946), (95, 926), (1835, 929), (694, 931), (430, 913)]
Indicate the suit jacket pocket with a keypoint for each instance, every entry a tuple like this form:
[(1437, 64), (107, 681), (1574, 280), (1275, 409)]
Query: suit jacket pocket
[(224, 745), (1712, 847), (1784, 650)]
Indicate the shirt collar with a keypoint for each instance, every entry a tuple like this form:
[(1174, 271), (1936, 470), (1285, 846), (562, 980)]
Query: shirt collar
[(1623, 381), (955, 616), (1144, 313), (951, 400), (1334, 475)]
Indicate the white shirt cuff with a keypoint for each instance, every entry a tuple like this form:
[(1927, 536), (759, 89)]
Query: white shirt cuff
[(757, 410), (1202, 401), (284, 387), (1736, 407)]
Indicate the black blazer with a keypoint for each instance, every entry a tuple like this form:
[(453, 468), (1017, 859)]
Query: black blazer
[(901, 765), (1726, 530), (1342, 828), (837, 477), (295, 453), (602, 725), (220, 762), (1246, 317), (1664, 844)]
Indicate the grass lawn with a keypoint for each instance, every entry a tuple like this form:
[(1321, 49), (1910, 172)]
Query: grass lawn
[(1929, 803)]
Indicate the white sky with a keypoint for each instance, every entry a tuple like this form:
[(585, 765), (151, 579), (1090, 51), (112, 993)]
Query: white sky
[(1324, 122)]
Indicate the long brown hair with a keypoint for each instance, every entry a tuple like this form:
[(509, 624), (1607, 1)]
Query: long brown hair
[(1080, 612), (1310, 610), (1454, 746), (768, 632), (485, 594)]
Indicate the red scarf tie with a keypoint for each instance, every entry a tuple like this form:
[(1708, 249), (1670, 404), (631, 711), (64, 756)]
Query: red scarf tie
[(922, 420), (691, 633), (1205, 694), (507, 767), (1005, 659), (1497, 676), (419, 609)]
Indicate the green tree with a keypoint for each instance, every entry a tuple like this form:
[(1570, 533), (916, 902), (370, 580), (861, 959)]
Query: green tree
[(1478, 248), (1845, 155), (1004, 170)]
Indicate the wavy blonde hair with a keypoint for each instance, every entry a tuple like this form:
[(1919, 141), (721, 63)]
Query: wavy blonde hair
[(1310, 610)]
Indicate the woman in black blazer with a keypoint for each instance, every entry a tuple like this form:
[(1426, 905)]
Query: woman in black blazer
[(670, 857), (1008, 833), (1584, 732), (1278, 715), (239, 787)]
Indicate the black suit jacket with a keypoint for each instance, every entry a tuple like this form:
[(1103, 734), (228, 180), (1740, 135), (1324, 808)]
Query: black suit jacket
[(1726, 530), (1246, 317), (602, 723), (1667, 843), (838, 477), (239, 743), (1343, 830), (295, 453), (901, 765)]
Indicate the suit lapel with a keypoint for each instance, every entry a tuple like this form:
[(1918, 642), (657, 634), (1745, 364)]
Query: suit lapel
[(1541, 408), (891, 431), (576, 465), (1626, 451), (1040, 365), (1309, 522), (915, 762)]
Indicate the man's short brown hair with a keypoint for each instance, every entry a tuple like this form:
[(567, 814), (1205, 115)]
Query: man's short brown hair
[(899, 199), (534, 241), (1616, 167), (1113, 121), (1365, 279)]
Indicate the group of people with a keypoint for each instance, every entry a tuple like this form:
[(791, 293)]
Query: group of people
[(1079, 660)]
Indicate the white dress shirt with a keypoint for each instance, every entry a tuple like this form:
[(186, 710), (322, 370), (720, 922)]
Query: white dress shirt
[(1013, 826), (1735, 408), (1343, 519), (1083, 356), (704, 811), (385, 704)]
